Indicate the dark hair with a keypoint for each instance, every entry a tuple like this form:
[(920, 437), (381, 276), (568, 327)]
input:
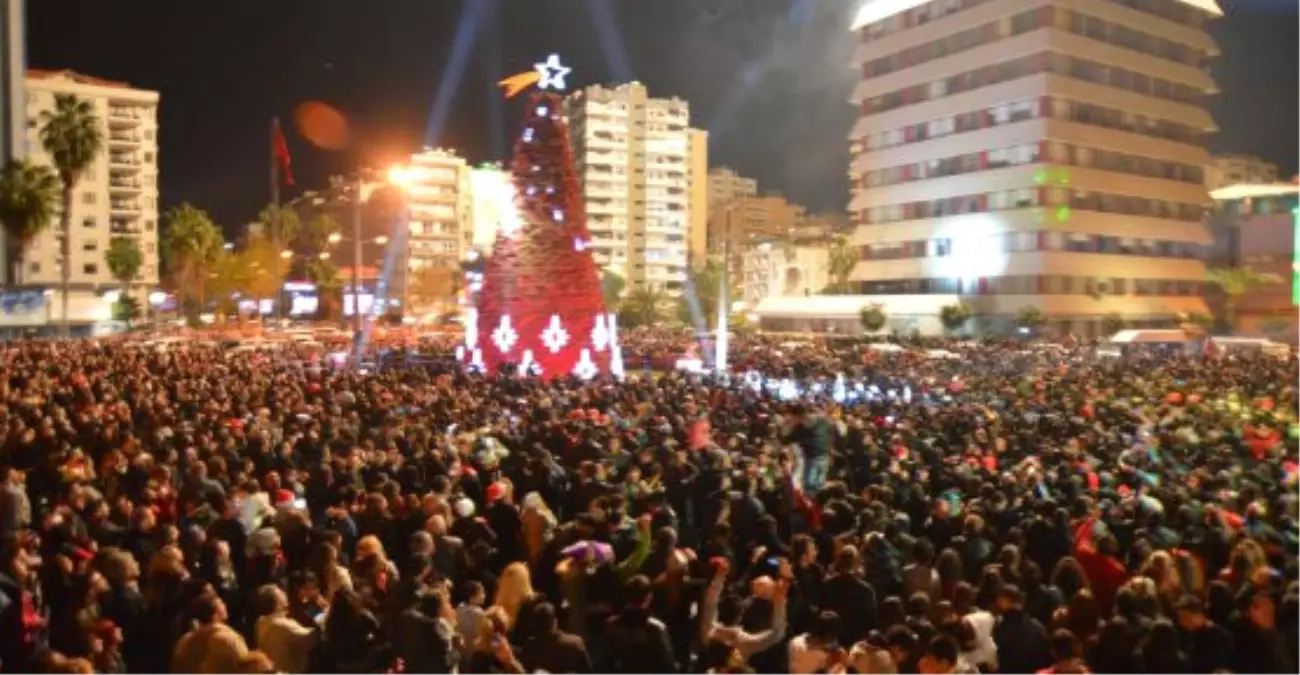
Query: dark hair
[(543, 616), (637, 590), (825, 626), (1065, 645), (943, 648)]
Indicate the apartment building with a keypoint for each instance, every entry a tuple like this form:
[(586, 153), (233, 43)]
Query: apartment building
[(1033, 153), (440, 203), (117, 196), (636, 157), (783, 269), (1257, 225)]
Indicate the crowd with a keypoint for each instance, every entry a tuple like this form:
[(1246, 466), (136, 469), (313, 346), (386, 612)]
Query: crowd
[(1014, 509)]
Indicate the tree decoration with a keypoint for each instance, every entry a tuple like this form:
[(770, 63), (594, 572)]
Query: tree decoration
[(541, 300)]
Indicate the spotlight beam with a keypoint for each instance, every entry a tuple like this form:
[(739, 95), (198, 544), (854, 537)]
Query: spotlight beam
[(471, 16), (492, 47), (609, 39), (797, 16)]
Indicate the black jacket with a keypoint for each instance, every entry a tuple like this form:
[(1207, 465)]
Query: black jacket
[(424, 643), (1023, 645), (636, 642), (854, 600), (556, 652)]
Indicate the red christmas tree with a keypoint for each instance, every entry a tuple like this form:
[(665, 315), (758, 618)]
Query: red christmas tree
[(541, 307)]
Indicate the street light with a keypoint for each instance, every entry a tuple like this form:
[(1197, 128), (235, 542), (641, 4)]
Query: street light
[(324, 255), (381, 239), (335, 238), (286, 254)]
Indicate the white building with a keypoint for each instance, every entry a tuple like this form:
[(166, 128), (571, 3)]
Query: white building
[(492, 204), (1239, 170), (636, 158), (773, 269), (440, 202), (117, 196)]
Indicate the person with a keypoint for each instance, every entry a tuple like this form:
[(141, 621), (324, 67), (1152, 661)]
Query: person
[(552, 650), (635, 641), (819, 649), (425, 638), (721, 626), (492, 652), (1022, 642), (1207, 644), (470, 613), (1258, 646), (284, 641), (1067, 652), (15, 507), (212, 646), (942, 656), (850, 596)]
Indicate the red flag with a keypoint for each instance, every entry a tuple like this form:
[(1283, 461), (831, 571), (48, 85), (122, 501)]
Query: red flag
[(281, 150)]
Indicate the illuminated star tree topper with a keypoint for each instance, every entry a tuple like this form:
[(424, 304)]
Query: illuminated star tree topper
[(547, 75)]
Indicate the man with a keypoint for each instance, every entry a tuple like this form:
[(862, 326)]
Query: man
[(15, 507), (850, 597), (1208, 645), (1022, 641), (211, 647), (1068, 653), (1260, 647), (819, 649), (425, 637), (635, 641), (285, 641), (815, 437), (724, 626), (553, 650), (942, 656)]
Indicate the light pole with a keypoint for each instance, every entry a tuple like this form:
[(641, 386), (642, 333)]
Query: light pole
[(356, 259)]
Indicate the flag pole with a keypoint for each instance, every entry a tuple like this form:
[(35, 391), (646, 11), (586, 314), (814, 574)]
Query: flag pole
[(274, 227)]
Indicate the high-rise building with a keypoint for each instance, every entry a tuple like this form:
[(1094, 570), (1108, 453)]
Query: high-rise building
[(1239, 170), (698, 180), (1033, 154), (633, 154), (441, 227), (116, 196)]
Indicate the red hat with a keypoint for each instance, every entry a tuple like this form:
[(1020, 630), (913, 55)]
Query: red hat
[(283, 496), (496, 491)]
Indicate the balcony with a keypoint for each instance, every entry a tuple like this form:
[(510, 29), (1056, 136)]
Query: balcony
[(123, 162), (123, 138), (122, 116), (124, 227), (124, 206), (120, 184)]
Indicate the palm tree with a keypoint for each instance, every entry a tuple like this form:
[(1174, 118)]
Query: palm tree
[(282, 224), (841, 259), (612, 285), (191, 246), (872, 317), (124, 260), (28, 194), (329, 288), (1236, 282), (71, 135), (316, 234), (644, 306)]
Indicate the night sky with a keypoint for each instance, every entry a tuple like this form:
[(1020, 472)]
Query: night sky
[(768, 78)]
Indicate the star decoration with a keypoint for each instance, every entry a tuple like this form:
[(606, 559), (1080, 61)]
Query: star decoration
[(552, 72), (586, 368), (555, 337), (599, 334), (505, 336)]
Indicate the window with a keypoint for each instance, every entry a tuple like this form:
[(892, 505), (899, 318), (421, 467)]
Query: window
[(88, 198), (34, 268), (90, 245), (88, 221), (90, 268)]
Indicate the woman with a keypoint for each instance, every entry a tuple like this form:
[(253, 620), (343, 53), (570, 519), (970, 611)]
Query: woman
[(491, 652), (1080, 616), (352, 642), (538, 526), (218, 569), (324, 563), (374, 575), (514, 595)]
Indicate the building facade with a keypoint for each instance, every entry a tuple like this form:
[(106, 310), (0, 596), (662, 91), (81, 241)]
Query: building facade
[(783, 269), (1257, 226), (635, 156), (1228, 170), (117, 196), (440, 204), (492, 205), (1034, 153)]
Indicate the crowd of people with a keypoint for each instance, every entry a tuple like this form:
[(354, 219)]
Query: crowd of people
[(1014, 509)]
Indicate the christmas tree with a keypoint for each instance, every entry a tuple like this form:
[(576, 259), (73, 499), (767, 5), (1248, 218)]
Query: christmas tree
[(540, 307)]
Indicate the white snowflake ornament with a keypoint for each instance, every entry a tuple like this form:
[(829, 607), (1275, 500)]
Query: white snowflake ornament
[(600, 334), (585, 368), (528, 364), (555, 337), (505, 336)]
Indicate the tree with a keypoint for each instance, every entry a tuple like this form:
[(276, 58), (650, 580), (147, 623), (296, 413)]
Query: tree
[(126, 309), (706, 281), (612, 285), (226, 276), (29, 194), (954, 316), (644, 306), (191, 245), (872, 317), (1112, 323), (1235, 282), (315, 235), (124, 260), (280, 224), (1030, 317), (71, 135), (268, 268), (329, 288), (541, 305), (432, 286), (841, 259)]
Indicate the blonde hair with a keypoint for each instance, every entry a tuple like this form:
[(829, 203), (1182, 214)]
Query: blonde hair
[(370, 545), (494, 622), (515, 587), (1161, 569)]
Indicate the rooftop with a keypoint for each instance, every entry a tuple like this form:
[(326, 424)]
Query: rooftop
[(875, 10), (1255, 191), (42, 74)]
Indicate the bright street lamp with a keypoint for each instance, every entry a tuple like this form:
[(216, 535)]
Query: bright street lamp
[(381, 239), (324, 255), (335, 238), (286, 254)]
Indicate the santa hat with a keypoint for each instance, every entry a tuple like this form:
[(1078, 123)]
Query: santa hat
[(496, 491)]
